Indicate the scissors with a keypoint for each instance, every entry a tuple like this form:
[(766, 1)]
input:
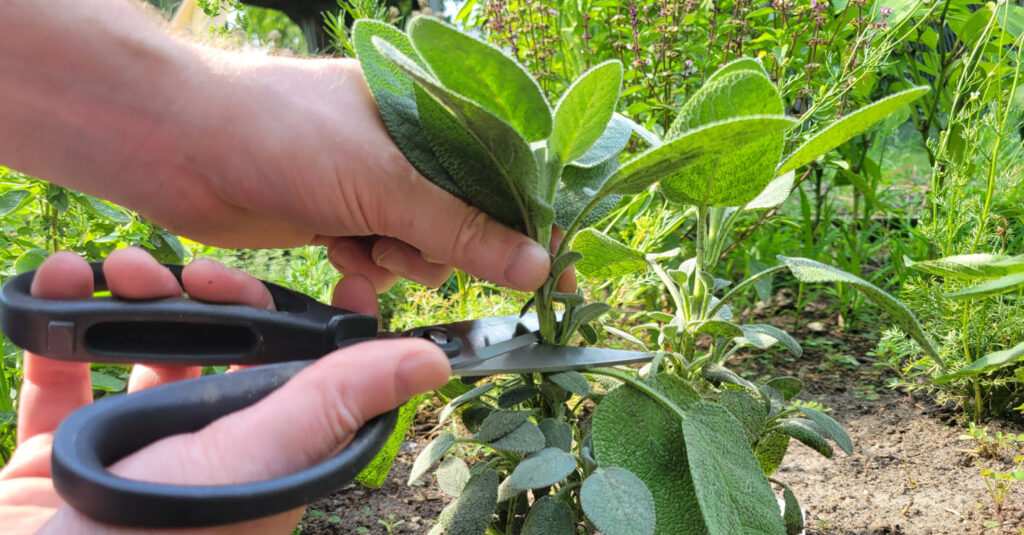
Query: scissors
[(181, 331)]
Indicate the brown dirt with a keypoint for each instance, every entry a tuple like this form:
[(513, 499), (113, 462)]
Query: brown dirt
[(909, 474)]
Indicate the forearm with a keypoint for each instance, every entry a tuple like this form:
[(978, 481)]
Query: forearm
[(93, 89)]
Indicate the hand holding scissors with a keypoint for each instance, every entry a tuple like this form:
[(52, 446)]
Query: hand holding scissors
[(94, 441)]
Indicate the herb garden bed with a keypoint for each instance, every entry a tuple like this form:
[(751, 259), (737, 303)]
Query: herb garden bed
[(910, 473)]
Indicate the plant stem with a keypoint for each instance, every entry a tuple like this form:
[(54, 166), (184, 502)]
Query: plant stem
[(641, 386)]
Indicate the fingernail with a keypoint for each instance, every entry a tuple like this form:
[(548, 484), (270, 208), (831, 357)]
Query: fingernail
[(420, 372), (431, 259), (393, 260), (525, 268)]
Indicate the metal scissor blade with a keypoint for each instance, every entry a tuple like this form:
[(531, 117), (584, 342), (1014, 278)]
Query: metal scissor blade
[(481, 337), (548, 358)]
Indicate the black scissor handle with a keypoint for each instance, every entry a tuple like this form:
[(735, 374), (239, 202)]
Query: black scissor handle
[(101, 433), (176, 331), (180, 331)]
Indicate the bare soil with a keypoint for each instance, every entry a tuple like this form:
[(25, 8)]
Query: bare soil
[(910, 472)]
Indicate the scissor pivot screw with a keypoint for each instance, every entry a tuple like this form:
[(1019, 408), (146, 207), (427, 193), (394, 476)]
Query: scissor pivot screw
[(451, 346)]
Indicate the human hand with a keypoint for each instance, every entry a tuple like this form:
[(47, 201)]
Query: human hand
[(293, 428), (232, 149)]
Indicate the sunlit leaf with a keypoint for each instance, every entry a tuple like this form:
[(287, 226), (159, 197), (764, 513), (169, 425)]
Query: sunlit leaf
[(844, 129)]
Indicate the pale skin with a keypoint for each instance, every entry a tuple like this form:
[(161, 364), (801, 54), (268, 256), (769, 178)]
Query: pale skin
[(295, 427)]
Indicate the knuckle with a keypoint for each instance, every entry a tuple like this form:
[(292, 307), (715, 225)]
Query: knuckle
[(469, 235)]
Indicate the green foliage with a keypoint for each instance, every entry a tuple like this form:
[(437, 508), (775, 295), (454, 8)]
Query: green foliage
[(470, 125), (732, 491), (617, 502)]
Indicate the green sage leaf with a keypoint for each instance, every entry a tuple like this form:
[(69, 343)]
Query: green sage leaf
[(618, 502), (501, 423), (970, 266), (998, 286), (653, 449), (789, 386), (776, 401), (718, 374), (806, 270), (991, 362), (675, 161), (544, 468), (516, 395), (486, 147), (793, 516), (771, 450), (572, 381), (583, 113), (726, 95), (809, 433), (833, 428), (763, 336), (549, 517), (392, 89), (462, 400), (526, 438), (467, 161), (774, 194), (471, 512), (484, 74), (749, 411), (577, 189), (557, 434), (452, 475), (430, 455), (609, 145), (473, 416), (106, 382), (564, 262), (733, 493), (717, 328), (737, 177), (844, 129), (603, 257)]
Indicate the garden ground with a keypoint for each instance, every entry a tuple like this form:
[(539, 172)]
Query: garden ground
[(910, 472)]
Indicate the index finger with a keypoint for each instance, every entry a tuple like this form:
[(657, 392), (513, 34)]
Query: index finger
[(52, 389)]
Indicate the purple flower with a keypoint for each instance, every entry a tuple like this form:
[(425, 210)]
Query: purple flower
[(688, 63), (886, 11), (552, 11)]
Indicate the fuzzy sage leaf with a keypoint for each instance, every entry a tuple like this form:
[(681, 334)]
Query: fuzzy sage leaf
[(604, 257), (676, 157), (430, 455), (844, 129), (393, 91), (806, 270), (584, 111), (544, 468), (618, 502), (471, 512), (483, 74), (549, 517), (733, 493)]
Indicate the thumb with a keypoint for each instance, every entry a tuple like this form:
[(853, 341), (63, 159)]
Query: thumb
[(448, 231), (299, 424)]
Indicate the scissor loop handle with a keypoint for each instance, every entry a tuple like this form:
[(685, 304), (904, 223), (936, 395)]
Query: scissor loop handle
[(176, 331), (99, 434)]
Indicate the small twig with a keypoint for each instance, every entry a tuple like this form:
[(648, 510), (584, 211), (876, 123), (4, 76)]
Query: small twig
[(764, 217)]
